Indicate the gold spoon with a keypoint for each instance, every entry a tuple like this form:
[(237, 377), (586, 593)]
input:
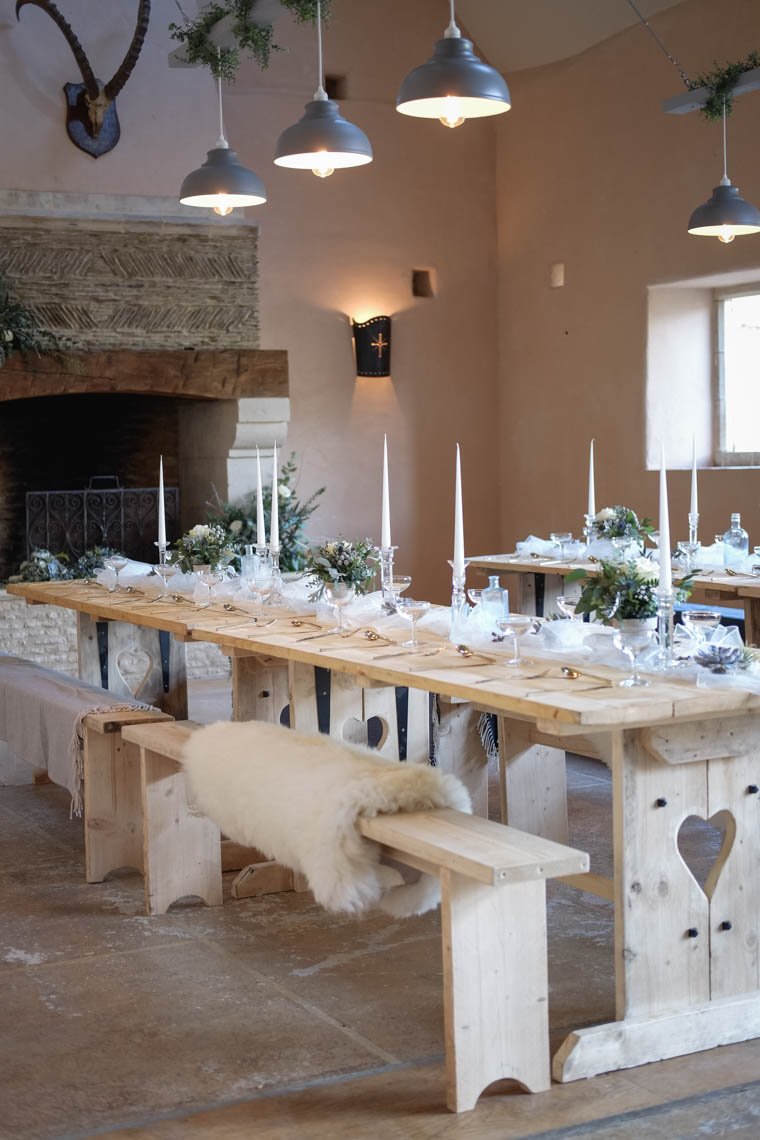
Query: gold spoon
[(573, 675)]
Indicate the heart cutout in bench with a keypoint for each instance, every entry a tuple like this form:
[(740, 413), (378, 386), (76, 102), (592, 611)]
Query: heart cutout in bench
[(704, 845), (134, 667), (371, 733)]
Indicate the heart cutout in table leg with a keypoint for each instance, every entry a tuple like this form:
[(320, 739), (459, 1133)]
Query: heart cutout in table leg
[(704, 845), (133, 667), (371, 733)]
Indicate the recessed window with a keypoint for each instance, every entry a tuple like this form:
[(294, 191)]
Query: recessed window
[(423, 283), (737, 361), (336, 87)]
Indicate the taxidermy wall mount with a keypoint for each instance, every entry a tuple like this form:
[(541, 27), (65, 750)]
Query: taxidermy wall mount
[(91, 119)]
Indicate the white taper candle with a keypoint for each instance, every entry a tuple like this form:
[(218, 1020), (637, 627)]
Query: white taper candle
[(694, 495), (666, 570), (261, 534), (161, 509), (459, 567), (385, 536), (591, 490), (274, 522)]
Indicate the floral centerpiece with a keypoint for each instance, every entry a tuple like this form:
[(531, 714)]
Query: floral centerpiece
[(621, 522), (207, 544), (344, 562), (239, 519), (623, 591), (43, 566)]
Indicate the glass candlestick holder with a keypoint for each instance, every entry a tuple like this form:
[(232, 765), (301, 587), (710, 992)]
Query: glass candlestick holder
[(386, 577), (588, 529), (693, 528), (275, 596), (459, 605), (665, 658)]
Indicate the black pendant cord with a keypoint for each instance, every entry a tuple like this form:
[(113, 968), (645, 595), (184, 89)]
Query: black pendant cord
[(661, 45)]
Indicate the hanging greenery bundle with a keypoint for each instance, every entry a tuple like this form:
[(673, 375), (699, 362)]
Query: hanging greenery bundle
[(19, 331), (722, 81), (252, 38)]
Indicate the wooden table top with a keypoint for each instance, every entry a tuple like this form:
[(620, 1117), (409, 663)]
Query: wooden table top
[(555, 704), (735, 585)]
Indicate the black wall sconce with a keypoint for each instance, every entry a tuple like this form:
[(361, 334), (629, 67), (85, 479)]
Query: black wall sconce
[(372, 342)]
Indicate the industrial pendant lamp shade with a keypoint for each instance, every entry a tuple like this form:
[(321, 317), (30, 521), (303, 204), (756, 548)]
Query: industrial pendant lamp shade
[(222, 183), (453, 85), (725, 215), (321, 141)]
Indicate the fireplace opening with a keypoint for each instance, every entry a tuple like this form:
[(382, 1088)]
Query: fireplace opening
[(59, 443)]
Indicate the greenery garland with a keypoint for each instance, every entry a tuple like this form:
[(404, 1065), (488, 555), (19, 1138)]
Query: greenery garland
[(19, 331), (722, 81), (255, 39)]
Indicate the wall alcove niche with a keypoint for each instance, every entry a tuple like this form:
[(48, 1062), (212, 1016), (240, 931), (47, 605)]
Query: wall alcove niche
[(159, 321)]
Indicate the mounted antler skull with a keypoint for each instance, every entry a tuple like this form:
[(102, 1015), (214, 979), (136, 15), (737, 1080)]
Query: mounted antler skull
[(91, 119)]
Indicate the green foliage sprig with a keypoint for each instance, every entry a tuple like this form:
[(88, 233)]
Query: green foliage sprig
[(42, 566), (621, 522), (19, 331), (342, 561), (239, 519), (203, 545), (722, 81), (619, 591), (254, 39)]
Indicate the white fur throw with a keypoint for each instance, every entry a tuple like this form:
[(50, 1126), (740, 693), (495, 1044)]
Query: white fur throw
[(296, 797)]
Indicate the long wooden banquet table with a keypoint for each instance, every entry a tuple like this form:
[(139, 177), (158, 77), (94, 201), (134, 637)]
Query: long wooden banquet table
[(541, 580), (687, 960)]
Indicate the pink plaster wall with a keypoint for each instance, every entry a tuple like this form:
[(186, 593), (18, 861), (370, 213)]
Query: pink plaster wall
[(594, 174), (330, 249)]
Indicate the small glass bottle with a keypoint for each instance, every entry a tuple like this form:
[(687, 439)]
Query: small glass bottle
[(248, 563), (494, 600), (735, 542)]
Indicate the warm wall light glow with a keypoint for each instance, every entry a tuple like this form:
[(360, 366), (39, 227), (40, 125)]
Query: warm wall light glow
[(322, 167), (726, 234), (452, 114)]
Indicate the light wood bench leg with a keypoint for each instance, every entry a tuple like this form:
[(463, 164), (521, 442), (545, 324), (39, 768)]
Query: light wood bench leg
[(112, 806), (533, 783), (495, 986), (182, 849), (461, 752), (259, 688)]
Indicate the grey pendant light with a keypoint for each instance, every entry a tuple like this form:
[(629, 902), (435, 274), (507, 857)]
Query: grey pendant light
[(725, 215), (222, 183), (321, 141), (453, 85)]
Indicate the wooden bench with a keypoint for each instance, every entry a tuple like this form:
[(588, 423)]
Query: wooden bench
[(493, 881)]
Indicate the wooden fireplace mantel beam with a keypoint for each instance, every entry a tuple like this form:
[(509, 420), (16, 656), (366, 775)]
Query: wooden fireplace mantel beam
[(203, 374)]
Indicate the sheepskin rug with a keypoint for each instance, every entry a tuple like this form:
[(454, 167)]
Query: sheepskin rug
[(296, 797)]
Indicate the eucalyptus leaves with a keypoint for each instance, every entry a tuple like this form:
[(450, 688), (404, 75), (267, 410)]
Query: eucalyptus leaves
[(621, 522), (342, 561), (621, 591)]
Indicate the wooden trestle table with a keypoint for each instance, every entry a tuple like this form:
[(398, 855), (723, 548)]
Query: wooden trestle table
[(687, 961), (540, 581)]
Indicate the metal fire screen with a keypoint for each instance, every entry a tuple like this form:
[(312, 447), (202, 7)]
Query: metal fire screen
[(71, 522)]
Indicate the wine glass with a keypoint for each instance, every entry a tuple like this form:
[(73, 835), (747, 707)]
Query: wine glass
[(632, 637), (700, 623), (412, 609), (165, 571), (567, 606), (261, 583), (202, 591), (559, 538), (338, 595), (515, 625), (116, 562)]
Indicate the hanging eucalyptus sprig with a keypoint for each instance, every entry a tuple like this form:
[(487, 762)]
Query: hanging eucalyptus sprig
[(254, 39), (721, 82), (19, 331)]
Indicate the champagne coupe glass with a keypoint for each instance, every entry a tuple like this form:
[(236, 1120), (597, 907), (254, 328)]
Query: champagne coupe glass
[(412, 609), (399, 583), (474, 596), (559, 538), (261, 583), (567, 606), (116, 562), (632, 637), (700, 623), (338, 595), (165, 571), (515, 625)]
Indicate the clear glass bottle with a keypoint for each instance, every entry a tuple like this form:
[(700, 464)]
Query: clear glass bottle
[(735, 542), (248, 564), (494, 600)]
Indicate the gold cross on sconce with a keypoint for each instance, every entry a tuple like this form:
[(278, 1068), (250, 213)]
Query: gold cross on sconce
[(380, 344)]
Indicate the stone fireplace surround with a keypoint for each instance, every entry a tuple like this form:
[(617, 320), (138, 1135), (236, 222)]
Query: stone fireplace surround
[(151, 301)]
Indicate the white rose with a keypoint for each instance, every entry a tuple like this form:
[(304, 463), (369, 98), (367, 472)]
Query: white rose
[(7, 336), (647, 570), (605, 514), (200, 530), (284, 492), (236, 526)]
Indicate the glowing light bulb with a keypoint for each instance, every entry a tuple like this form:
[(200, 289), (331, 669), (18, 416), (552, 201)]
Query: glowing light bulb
[(223, 211), (726, 235), (322, 169), (452, 112)]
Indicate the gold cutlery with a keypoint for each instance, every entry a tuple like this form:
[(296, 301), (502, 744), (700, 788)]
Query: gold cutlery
[(507, 677), (572, 674)]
